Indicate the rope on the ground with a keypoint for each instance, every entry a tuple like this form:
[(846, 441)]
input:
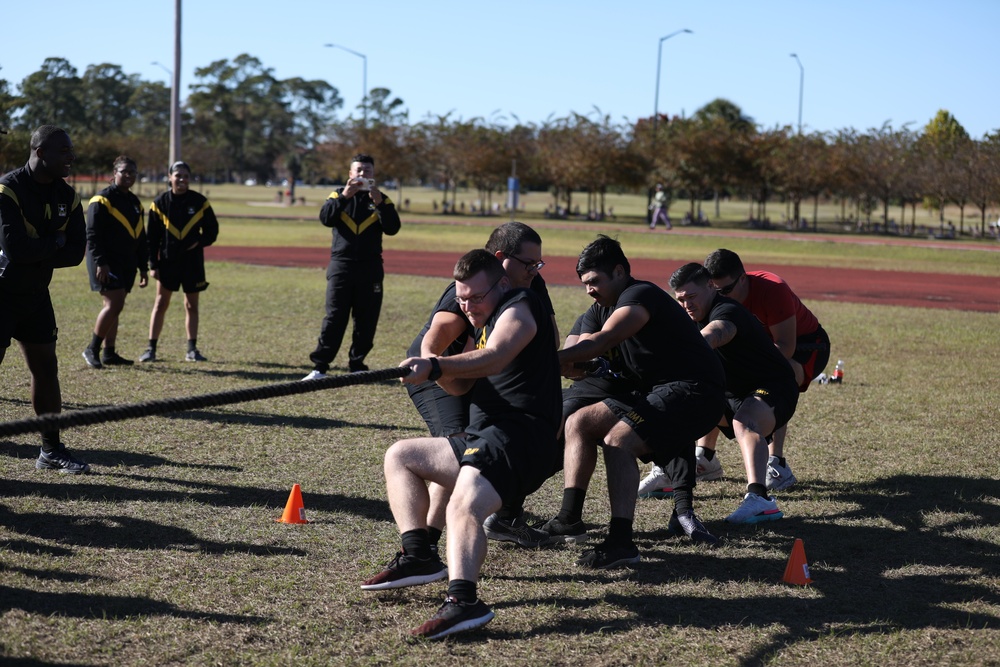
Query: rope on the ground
[(73, 418)]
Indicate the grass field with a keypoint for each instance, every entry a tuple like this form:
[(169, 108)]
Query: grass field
[(169, 553)]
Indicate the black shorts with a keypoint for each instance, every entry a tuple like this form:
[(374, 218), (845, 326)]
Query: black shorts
[(443, 413), (672, 416), (515, 457), (122, 275), (782, 397), (813, 352), (28, 318), (186, 271)]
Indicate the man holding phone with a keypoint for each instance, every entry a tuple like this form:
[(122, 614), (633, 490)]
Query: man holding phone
[(359, 215)]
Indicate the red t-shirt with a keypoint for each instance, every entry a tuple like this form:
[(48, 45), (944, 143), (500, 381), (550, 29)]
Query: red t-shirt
[(771, 301)]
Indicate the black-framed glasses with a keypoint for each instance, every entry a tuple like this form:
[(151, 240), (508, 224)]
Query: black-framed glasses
[(529, 265), (478, 298), (726, 289)]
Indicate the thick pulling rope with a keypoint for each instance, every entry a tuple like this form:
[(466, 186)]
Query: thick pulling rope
[(63, 420)]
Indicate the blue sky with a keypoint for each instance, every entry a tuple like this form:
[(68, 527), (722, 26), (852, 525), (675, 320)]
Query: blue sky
[(865, 62)]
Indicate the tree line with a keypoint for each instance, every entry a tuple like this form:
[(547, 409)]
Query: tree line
[(240, 122)]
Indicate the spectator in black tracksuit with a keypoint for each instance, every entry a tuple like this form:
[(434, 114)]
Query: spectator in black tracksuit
[(181, 225), (116, 248), (359, 214), (41, 229)]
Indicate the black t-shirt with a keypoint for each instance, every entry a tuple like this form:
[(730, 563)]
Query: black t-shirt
[(750, 359), (669, 348), (448, 304), (530, 385)]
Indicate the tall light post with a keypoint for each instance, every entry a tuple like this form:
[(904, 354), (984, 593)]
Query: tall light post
[(802, 80), (656, 102), (364, 78), (175, 126)]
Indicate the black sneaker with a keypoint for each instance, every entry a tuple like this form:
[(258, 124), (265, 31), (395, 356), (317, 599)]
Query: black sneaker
[(356, 366), (607, 556), (91, 358), (564, 533), (404, 570), (148, 355), (115, 359), (514, 530), (61, 460), (454, 616), (195, 355), (690, 525)]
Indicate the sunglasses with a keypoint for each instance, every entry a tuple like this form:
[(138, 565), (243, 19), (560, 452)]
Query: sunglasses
[(726, 289)]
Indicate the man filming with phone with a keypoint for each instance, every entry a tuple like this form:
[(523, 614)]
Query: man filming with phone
[(359, 215)]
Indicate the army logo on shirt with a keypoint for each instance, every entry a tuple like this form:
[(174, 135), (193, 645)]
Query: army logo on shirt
[(61, 210), (761, 392), (190, 210)]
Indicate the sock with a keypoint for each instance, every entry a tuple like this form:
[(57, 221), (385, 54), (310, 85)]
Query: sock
[(433, 534), (95, 343), (109, 350), (50, 441), (709, 453), (152, 344), (192, 344), (463, 590), (417, 543), (620, 531), (759, 489), (511, 512), (572, 505), (683, 499)]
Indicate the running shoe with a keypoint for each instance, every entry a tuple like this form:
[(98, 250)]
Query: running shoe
[(405, 570), (564, 533), (779, 477), (755, 509), (688, 524), (148, 355), (195, 355), (115, 359), (91, 358), (314, 375), (454, 616), (705, 470), (655, 484), (607, 556), (61, 460), (514, 530)]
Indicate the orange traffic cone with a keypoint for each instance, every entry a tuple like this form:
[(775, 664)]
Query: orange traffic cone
[(797, 570), (295, 511)]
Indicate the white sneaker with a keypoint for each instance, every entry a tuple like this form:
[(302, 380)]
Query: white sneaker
[(778, 476), (655, 485), (314, 375), (755, 509), (705, 470)]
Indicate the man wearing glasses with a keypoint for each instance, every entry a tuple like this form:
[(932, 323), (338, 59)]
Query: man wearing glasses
[(511, 372)]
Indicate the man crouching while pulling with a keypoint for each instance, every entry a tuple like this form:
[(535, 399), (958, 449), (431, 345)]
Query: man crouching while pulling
[(511, 371)]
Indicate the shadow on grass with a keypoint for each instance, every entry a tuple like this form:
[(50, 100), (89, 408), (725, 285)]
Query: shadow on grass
[(904, 556), (110, 459), (105, 607)]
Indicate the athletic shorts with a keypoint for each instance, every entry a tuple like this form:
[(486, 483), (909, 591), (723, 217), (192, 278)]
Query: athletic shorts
[(28, 318), (516, 457), (186, 271), (813, 352), (672, 416), (443, 413), (122, 275), (779, 396)]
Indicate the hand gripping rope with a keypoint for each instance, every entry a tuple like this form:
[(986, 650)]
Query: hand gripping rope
[(73, 418)]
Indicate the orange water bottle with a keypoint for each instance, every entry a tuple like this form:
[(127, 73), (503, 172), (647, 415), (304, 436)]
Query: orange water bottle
[(838, 372)]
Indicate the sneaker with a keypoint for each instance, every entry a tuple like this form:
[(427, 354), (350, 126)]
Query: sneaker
[(61, 460), (755, 509), (779, 476), (564, 533), (195, 355), (705, 470), (404, 570), (356, 366), (690, 525), (91, 358), (454, 616), (514, 530), (608, 556), (148, 355), (314, 375), (654, 485), (115, 359)]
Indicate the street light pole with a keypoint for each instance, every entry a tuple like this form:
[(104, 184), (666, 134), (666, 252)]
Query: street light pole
[(802, 80), (364, 78), (656, 101), (174, 114)]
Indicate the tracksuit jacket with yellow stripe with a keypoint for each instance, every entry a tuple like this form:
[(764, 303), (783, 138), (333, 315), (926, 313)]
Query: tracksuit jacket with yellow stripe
[(175, 222), (30, 216), (357, 228), (116, 235)]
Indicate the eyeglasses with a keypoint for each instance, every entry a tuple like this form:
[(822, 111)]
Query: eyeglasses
[(529, 264), (479, 298), (729, 288)]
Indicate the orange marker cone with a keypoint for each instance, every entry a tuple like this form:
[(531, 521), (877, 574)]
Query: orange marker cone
[(797, 570), (295, 511)]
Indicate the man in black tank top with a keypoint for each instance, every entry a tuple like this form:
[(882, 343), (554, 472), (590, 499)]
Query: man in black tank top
[(675, 398), (511, 372), (760, 385)]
